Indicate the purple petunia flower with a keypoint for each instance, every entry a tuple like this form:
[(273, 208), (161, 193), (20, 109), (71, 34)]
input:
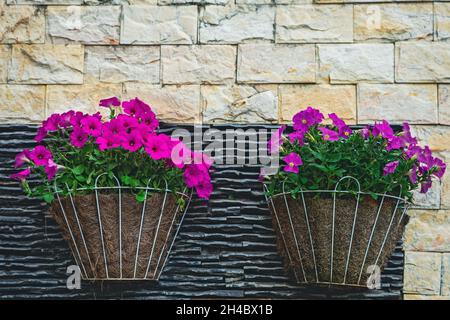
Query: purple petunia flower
[(406, 135), (22, 175), (395, 143), (91, 125), (109, 102), (390, 167), (131, 142), (50, 169), (158, 147), (276, 140), (78, 138), (365, 132), (329, 135), (425, 186), (413, 175), (292, 160), (40, 155), (305, 119), (383, 129), (21, 158), (297, 136)]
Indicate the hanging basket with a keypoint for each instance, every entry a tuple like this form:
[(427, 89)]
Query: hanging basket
[(336, 237), (114, 237)]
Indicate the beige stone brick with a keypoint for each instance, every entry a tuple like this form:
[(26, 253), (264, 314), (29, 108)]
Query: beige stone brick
[(198, 64), (240, 103), (22, 103), (397, 103), (5, 56), (340, 99), (46, 64), (312, 23), (444, 104), (422, 273), (268, 63), (441, 21), (22, 24)]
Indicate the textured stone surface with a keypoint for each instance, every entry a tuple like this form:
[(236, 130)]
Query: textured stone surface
[(177, 104), (350, 63), (428, 231), (116, 64), (22, 24), (159, 24), (429, 200), (47, 64), (5, 56), (22, 103), (198, 64), (422, 297), (445, 185), (442, 21), (422, 62), (43, 2), (175, 2), (242, 104), (434, 136), (276, 63), (79, 97), (88, 25), (394, 22), (422, 273), (235, 24), (445, 290), (444, 104), (312, 23), (397, 103), (340, 99)]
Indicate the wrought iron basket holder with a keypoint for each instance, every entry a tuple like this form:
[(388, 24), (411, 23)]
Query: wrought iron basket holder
[(114, 237), (334, 237)]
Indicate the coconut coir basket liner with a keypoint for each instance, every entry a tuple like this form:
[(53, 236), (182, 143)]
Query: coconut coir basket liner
[(316, 244), (154, 246)]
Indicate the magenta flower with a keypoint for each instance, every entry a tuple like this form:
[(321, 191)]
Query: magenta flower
[(109, 102), (50, 169), (127, 122), (276, 140), (22, 157), (440, 167), (365, 132), (75, 119), (22, 175), (113, 127), (131, 142), (292, 160), (194, 174), (297, 136), (180, 155), (201, 158), (149, 119), (91, 125), (52, 122), (425, 186), (343, 128), (383, 129), (135, 107), (406, 135), (41, 134), (158, 147), (40, 155), (329, 135), (66, 118), (204, 189), (395, 143), (307, 118), (107, 141), (413, 175), (390, 167), (412, 151), (78, 138)]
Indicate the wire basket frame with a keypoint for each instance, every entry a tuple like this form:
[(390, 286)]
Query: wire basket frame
[(161, 259), (292, 253)]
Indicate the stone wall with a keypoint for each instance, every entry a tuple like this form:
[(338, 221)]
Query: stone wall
[(247, 61)]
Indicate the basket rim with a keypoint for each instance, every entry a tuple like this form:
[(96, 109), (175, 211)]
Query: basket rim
[(157, 190)]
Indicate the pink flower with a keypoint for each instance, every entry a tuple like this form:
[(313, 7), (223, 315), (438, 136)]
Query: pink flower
[(158, 147), (149, 119), (194, 174), (135, 107), (307, 118), (365, 132), (297, 136), (40, 155), (75, 119), (292, 160), (329, 135), (21, 158), (91, 125), (395, 143), (440, 167), (383, 129), (390, 167), (180, 155), (412, 151), (22, 175), (131, 142), (107, 141), (276, 140), (78, 138), (109, 102), (413, 175), (127, 122), (50, 169), (41, 134), (52, 122), (425, 186), (66, 118), (406, 134), (204, 189)]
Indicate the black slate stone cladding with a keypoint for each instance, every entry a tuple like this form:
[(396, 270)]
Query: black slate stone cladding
[(225, 249)]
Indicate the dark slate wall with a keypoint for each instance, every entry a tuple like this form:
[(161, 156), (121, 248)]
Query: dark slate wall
[(226, 248)]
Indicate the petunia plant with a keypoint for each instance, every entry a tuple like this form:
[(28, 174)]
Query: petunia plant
[(315, 156), (75, 148)]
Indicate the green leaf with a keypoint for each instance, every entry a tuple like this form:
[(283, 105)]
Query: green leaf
[(140, 197), (48, 197), (78, 169)]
